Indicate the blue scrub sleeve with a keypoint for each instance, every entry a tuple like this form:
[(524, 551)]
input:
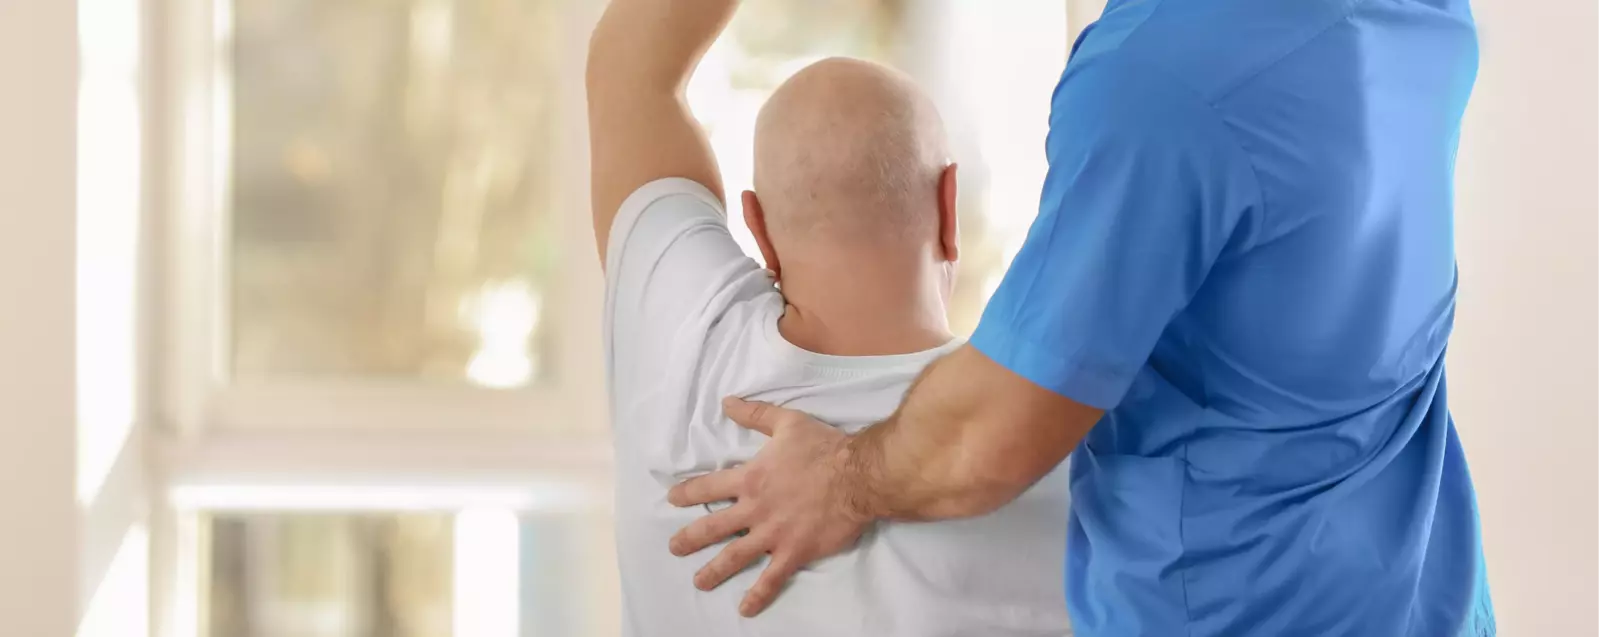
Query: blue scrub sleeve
[(1146, 190)]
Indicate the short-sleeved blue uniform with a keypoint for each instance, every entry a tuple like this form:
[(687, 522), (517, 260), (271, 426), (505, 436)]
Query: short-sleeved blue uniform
[(1244, 253)]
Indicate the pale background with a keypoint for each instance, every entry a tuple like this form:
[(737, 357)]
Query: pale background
[(1523, 362)]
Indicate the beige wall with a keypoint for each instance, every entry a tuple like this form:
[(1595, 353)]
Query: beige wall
[(1081, 13), (1522, 364), (38, 536)]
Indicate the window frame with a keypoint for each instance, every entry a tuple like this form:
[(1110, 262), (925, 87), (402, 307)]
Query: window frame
[(200, 395), (353, 444)]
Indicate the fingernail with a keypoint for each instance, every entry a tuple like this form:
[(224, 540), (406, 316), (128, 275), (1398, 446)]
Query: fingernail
[(746, 608), (731, 401)]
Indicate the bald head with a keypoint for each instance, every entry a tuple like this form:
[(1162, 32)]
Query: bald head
[(849, 149)]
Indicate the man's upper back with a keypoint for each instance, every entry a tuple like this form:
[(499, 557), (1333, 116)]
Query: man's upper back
[(1245, 254), (691, 320)]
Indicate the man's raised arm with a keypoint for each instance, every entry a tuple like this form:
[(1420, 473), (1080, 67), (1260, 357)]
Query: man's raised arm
[(640, 58)]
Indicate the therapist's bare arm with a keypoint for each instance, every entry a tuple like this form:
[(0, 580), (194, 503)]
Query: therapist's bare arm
[(641, 56), (970, 437)]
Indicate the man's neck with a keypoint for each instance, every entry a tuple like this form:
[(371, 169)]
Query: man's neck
[(852, 314)]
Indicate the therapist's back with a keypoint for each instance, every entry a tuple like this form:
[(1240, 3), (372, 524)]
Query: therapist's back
[(1245, 252)]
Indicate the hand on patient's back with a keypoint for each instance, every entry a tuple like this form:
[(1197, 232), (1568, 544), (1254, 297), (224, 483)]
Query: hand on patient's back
[(790, 499)]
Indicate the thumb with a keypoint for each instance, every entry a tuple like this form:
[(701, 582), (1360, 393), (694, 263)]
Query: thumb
[(757, 416)]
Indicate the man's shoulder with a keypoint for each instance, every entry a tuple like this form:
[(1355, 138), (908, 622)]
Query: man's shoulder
[(672, 263), (679, 292), (682, 199)]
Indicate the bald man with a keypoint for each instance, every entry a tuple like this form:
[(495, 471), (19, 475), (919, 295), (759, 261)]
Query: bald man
[(854, 214)]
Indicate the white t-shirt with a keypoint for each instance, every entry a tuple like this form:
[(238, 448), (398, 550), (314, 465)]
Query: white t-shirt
[(690, 319)]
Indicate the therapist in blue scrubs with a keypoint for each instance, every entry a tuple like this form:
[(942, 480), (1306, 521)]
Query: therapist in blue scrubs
[(1234, 306)]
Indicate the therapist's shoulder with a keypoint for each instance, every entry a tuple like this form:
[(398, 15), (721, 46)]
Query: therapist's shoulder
[(1209, 48), (1112, 102)]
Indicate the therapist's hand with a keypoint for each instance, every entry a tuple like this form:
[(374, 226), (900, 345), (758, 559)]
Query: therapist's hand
[(792, 499)]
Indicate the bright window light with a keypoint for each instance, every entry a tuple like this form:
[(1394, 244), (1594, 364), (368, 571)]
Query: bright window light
[(487, 565), (1009, 56), (505, 317), (121, 603), (108, 235)]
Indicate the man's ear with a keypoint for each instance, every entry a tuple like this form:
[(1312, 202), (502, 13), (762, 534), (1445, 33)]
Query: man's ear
[(949, 232), (755, 218)]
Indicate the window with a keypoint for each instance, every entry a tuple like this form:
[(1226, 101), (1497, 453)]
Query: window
[(393, 190), (476, 573), (379, 210), (382, 388)]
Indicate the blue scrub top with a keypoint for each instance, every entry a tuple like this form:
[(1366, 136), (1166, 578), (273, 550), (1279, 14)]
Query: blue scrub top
[(1244, 253)]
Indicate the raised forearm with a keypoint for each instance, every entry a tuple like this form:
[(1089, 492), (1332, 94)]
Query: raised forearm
[(970, 437), (641, 56), (655, 43)]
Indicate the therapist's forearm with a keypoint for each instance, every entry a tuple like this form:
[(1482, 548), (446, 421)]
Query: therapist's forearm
[(970, 437)]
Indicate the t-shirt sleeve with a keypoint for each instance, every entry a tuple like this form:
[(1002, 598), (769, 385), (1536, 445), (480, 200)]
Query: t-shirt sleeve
[(1146, 191), (672, 268)]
